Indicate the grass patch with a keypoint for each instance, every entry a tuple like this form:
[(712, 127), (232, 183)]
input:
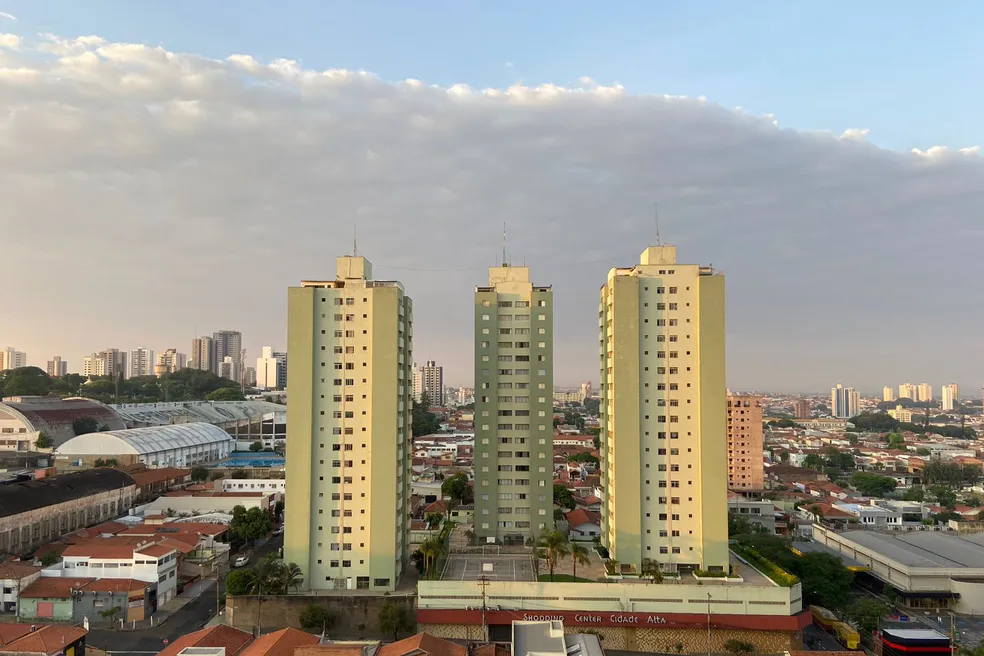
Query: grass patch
[(564, 578)]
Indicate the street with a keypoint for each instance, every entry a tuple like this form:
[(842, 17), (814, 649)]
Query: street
[(192, 617)]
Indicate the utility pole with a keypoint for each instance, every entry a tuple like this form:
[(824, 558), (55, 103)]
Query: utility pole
[(708, 624), (484, 582)]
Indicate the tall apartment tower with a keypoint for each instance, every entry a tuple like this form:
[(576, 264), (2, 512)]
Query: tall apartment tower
[(228, 344), (844, 402), (271, 369), (141, 362), (432, 383), (924, 392), (745, 443), (888, 394), (169, 362), (57, 367), (802, 409), (908, 391), (950, 394), (349, 421), (513, 406), (417, 383), (11, 358), (203, 354), (664, 414)]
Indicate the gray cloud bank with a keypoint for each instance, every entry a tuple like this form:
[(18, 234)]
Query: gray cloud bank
[(144, 193)]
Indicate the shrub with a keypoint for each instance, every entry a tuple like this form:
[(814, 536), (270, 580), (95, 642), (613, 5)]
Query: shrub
[(316, 618), (769, 568)]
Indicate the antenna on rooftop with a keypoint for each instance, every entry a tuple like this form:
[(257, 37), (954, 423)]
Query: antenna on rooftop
[(504, 244), (355, 239), (658, 242)]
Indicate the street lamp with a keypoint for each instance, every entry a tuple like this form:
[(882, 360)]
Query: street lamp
[(708, 624)]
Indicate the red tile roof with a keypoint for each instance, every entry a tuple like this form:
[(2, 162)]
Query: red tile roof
[(232, 640), (155, 550), (581, 516), (422, 642), (17, 570), (280, 643), (116, 585), (46, 639), (162, 475), (54, 587)]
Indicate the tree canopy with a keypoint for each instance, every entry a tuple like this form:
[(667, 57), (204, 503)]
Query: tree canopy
[(226, 394), (456, 487), (425, 422), (24, 381), (563, 497), (872, 485), (250, 525), (881, 422), (393, 619)]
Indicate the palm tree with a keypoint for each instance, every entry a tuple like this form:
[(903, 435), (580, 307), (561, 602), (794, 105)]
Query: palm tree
[(431, 548), (292, 577), (554, 546), (579, 554)]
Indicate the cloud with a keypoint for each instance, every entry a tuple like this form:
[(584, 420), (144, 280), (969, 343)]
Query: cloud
[(10, 42), (4, 14), (147, 193)]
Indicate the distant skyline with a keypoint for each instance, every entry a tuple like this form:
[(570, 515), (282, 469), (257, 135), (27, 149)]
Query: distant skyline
[(149, 189)]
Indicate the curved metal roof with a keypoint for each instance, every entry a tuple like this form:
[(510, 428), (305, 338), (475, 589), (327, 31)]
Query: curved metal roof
[(144, 441)]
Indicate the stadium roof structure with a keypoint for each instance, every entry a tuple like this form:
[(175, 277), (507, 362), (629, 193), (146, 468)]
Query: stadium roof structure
[(144, 441)]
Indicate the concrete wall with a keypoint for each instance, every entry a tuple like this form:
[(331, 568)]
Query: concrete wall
[(62, 609), (356, 616)]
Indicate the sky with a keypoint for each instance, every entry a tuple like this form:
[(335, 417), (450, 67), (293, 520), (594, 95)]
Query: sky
[(171, 168)]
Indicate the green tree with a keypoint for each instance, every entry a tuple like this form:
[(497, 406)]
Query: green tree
[(584, 456), (552, 547), (825, 579), (651, 570), (250, 525), (813, 461), (44, 441), (923, 451), (579, 554), (867, 613), (457, 487), (316, 618), (394, 620), (896, 441), (199, 474), (256, 446), (49, 558), (944, 496), (738, 524), (914, 493), (873, 484), (240, 582), (226, 394), (563, 497), (784, 457), (24, 381), (424, 422), (739, 647), (84, 425)]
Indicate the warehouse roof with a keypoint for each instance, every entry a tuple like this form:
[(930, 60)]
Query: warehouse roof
[(144, 441), (17, 498), (54, 415), (923, 548), (183, 412)]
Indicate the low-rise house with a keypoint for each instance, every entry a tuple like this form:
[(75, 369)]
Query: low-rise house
[(15, 576), (583, 524), (144, 559), (151, 483), (51, 598), (187, 503), (44, 640)]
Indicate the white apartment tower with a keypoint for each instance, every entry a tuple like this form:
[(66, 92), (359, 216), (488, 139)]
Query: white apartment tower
[(169, 362), (950, 394), (349, 429), (57, 367), (141, 362), (664, 437), (908, 391), (11, 358), (432, 383), (844, 402), (513, 407), (417, 384), (271, 369), (925, 392)]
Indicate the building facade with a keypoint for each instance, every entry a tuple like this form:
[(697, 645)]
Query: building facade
[(349, 428), (888, 394), (432, 383), (271, 369), (56, 367), (513, 407), (745, 442), (141, 362), (169, 362), (111, 362), (203, 354), (950, 394), (844, 402), (11, 358), (802, 409), (908, 391), (227, 344), (664, 414), (924, 392)]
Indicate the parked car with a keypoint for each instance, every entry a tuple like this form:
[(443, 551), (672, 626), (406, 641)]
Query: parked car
[(242, 561), (279, 530)]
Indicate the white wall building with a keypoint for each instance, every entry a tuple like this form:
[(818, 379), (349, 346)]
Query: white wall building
[(141, 362), (950, 393), (181, 445), (11, 358), (276, 485), (115, 560), (271, 369)]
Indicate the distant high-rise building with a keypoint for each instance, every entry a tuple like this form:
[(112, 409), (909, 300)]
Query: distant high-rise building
[(802, 409), (513, 406), (203, 354), (432, 383), (950, 394), (57, 367), (169, 362), (249, 377), (271, 369), (229, 368), (416, 383), (585, 390), (745, 442), (888, 394), (141, 362), (664, 414), (348, 523), (11, 358), (908, 391), (844, 402), (228, 344), (925, 392), (111, 362)]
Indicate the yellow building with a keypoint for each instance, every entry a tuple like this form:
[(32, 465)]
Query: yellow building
[(888, 394), (513, 407), (349, 416), (663, 414)]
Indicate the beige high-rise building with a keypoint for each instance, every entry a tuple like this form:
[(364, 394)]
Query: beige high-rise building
[(11, 358), (664, 414), (349, 420), (925, 392), (745, 442), (57, 367), (888, 394), (908, 391), (950, 394), (417, 383), (169, 362), (142, 362), (203, 354), (513, 407), (432, 383), (111, 362), (802, 408)]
